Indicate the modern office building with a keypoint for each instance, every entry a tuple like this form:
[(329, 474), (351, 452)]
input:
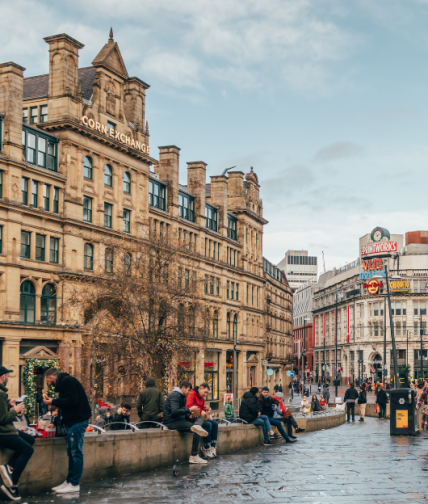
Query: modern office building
[(299, 267)]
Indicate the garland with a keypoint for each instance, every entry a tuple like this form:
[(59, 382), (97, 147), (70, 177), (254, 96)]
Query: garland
[(30, 382)]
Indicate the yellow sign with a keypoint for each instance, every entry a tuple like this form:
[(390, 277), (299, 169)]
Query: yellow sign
[(402, 419), (116, 135), (399, 285)]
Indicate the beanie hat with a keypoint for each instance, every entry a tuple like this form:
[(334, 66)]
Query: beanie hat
[(265, 388), (254, 390)]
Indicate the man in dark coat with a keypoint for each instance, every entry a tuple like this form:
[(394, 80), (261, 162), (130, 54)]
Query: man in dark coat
[(75, 412), (177, 417), (266, 406), (150, 403), (249, 412), (121, 420), (351, 395), (381, 401)]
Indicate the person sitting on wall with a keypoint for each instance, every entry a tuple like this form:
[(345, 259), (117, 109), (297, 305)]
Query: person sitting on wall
[(284, 414), (150, 403), (177, 417), (266, 406), (249, 412), (104, 417), (196, 397), (122, 416)]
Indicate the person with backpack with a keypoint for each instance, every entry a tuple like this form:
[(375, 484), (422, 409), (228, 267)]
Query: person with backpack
[(150, 403)]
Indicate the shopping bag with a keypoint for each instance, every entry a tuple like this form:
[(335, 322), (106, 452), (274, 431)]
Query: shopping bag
[(376, 408)]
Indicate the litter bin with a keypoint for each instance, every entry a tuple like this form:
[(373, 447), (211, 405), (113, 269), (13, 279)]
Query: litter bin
[(403, 412)]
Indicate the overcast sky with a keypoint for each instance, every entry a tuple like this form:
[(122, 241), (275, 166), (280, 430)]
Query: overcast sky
[(326, 99)]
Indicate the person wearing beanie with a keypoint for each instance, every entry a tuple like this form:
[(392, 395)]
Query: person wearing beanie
[(249, 412)]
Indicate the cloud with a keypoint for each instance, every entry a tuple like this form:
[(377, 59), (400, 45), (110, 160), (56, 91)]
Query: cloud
[(338, 150), (289, 181), (396, 114)]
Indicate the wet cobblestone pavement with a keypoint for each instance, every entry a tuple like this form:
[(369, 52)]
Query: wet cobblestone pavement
[(353, 463)]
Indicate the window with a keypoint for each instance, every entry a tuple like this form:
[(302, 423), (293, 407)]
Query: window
[(109, 260), (56, 200), (237, 292), (227, 289), (156, 195), (108, 175), (27, 303), (186, 207), (24, 191), (25, 115), (54, 250), (44, 113), (231, 227), (87, 168), (1, 239), (212, 285), (235, 327), (420, 307), (33, 115), (34, 193), (88, 257), (40, 148), (127, 259), (40, 247), (1, 182), (87, 209), (111, 125), (232, 290), (126, 220), (25, 244), (48, 305), (46, 197), (211, 217), (108, 211), (127, 183), (215, 325), (228, 326), (218, 286)]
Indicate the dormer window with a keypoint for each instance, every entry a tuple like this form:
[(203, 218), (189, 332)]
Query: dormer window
[(157, 193), (231, 227), (211, 218), (186, 207), (40, 149)]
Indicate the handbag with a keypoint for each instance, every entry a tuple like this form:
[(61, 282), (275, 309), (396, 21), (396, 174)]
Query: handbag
[(287, 413), (424, 409), (376, 408)]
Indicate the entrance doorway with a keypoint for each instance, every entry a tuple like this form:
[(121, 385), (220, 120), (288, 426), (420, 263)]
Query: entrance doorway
[(377, 365)]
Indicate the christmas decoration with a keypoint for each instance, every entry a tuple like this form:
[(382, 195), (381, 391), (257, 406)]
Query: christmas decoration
[(30, 383)]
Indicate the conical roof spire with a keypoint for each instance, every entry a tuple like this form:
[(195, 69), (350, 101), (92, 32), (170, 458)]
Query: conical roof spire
[(110, 39)]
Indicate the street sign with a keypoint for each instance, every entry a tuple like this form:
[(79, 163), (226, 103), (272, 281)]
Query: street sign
[(265, 363), (269, 372), (292, 374)]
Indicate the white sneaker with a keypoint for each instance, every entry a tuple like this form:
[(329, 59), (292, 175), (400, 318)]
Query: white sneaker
[(199, 430), (69, 488), (207, 453), (55, 489), (214, 451), (196, 459)]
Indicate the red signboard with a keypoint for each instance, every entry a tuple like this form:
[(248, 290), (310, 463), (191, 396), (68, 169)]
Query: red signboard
[(373, 286), (379, 248)]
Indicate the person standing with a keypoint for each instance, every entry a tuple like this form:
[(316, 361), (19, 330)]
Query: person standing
[(423, 400), (280, 389), (326, 393), (150, 403), (381, 401), (351, 395), (362, 401), (290, 388), (75, 412), (19, 442)]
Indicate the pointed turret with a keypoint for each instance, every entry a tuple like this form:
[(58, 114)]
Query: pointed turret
[(110, 38)]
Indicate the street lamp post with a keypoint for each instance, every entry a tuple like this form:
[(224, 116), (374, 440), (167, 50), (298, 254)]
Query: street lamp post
[(421, 332), (391, 323), (335, 339), (303, 354)]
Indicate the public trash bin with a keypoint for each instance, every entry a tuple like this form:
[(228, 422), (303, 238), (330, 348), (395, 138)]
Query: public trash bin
[(403, 412)]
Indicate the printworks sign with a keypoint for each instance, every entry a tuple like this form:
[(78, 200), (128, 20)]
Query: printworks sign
[(379, 248), (399, 285), (116, 135)]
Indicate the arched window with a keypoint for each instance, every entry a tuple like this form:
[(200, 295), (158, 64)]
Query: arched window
[(88, 259), (109, 260), (108, 176), (228, 326), (127, 259), (87, 168), (235, 327), (215, 325), (48, 305), (27, 303), (127, 182)]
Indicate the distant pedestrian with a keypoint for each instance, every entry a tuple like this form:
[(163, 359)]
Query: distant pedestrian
[(76, 412), (319, 387), (228, 409), (351, 395), (315, 405), (280, 389), (326, 394), (362, 401), (276, 388), (423, 401), (290, 388), (150, 403), (381, 401)]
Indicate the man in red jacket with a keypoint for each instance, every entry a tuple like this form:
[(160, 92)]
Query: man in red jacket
[(196, 397)]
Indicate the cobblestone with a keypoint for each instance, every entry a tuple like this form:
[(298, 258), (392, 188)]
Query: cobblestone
[(353, 463)]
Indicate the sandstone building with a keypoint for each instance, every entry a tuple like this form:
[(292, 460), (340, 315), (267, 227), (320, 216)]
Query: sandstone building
[(75, 168)]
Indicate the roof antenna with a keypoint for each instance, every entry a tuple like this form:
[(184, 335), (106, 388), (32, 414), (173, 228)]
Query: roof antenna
[(226, 170), (110, 39)]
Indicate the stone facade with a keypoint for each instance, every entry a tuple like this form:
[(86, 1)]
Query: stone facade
[(76, 170)]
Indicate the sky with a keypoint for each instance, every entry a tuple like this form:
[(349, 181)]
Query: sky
[(326, 99)]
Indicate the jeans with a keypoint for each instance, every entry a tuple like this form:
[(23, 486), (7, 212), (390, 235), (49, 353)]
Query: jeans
[(290, 422), (263, 420), (75, 438), (22, 445), (278, 425), (211, 426), (185, 426), (350, 406), (382, 410)]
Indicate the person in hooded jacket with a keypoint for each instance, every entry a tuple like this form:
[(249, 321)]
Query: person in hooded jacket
[(104, 417), (283, 414), (266, 406), (249, 412), (150, 403), (351, 395), (76, 413), (362, 401), (381, 401), (177, 417)]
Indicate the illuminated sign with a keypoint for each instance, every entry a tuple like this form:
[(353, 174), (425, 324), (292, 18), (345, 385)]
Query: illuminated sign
[(399, 285), (116, 135), (373, 286), (372, 264), (371, 274), (379, 248)]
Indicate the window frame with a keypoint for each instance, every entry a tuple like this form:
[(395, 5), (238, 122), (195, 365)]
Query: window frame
[(126, 221), (232, 227), (88, 168), (127, 183), (43, 117), (25, 296), (53, 250), (108, 215), (87, 257), (87, 209), (108, 177), (50, 155), (1, 178), (34, 194), (108, 260), (45, 300), (186, 206), (27, 245), (157, 200), (34, 116), (40, 256), (210, 221), (46, 199), (55, 200)]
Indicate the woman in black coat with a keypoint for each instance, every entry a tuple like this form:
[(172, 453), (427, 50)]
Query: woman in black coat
[(315, 405)]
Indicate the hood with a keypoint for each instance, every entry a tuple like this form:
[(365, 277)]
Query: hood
[(249, 395), (151, 382), (177, 389), (103, 411), (279, 395)]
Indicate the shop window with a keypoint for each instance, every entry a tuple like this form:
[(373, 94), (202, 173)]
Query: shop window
[(127, 182), (27, 303), (211, 367), (87, 167), (48, 305), (186, 368), (88, 259)]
